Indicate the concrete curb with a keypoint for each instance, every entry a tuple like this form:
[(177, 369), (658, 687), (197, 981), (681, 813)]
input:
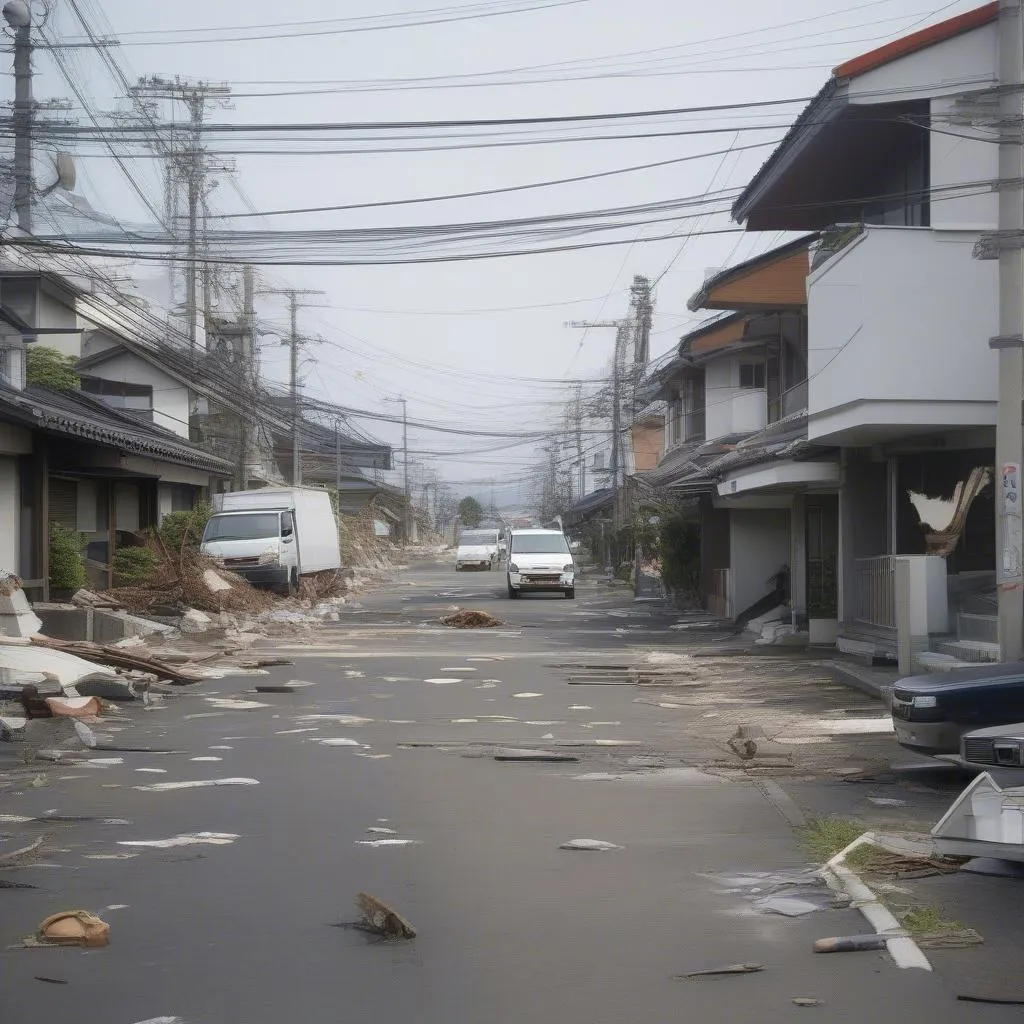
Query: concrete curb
[(860, 678), (902, 948)]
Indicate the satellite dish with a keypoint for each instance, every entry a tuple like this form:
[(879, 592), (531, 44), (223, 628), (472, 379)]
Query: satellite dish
[(66, 176), (17, 14)]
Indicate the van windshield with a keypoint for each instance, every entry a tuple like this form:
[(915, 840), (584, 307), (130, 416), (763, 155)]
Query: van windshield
[(539, 544), (243, 526), (477, 538)]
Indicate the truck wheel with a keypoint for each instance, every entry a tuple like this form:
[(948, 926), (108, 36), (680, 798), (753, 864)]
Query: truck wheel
[(512, 592), (570, 594), (293, 583)]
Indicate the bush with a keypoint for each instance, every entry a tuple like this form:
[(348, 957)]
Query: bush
[(680, 555), (134, 565), (51, 369), (67, 566), (180, 529)]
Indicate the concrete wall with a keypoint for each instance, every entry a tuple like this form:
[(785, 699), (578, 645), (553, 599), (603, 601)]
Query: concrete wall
[(9, 517), (862, 525), (730, 409), (759, 546), (170, 396), (967, 62), (953, 160), (15, 440), (899, 324)]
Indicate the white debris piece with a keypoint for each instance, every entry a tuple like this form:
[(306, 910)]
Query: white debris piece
[(580, 707), (163, 787), (588, 844), (206, 758), (380, 830), (668, 658), (16, 617), (33, 664), (527, 694), (195, 621), (188, 839), (340, 719), (442, 682), (234, 704), (387, 842), (214, 583), (339, 741), (152, 771)]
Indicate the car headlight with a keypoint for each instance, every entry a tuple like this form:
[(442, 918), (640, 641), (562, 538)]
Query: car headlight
[(567, 568), (924, 702), (513, 567)]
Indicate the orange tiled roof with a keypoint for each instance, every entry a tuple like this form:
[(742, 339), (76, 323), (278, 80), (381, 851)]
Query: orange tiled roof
[(918, 41)]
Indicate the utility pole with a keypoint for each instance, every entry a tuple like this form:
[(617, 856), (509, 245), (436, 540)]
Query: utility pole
[(22, 120), (405, 464), (294, 342), (1009, 429), (249, 372), (189, 161), (581, 468)]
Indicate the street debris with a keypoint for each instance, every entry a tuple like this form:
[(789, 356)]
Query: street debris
[(886, 801), (806, 1001), (119, 657), (750, 741), (338, 741), (850, 943), (234, 704), (14, 855), (187, 839), (442, 682), (471, 620), (790, 893), (961, 938), (381, 830), (73, 707), (51, 981), (290, 687), (977, 997), (534, 755), (387, 842), (379, 918), (527, 694), (598, 845), (727, 969), (164, 787), (353, 720), (72, 928)]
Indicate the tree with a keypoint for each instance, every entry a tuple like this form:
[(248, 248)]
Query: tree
[(51, 369), (470, 512)]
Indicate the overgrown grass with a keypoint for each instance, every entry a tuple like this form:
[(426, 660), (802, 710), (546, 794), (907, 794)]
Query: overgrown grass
[(825, 837), (927, 921)]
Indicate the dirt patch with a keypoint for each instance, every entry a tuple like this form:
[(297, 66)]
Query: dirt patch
[(471, 620)]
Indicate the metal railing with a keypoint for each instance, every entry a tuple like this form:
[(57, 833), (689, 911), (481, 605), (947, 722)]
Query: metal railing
[(876, 591), (718, 598)]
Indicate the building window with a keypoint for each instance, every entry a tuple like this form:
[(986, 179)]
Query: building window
[(752, 375), (599, 460), (133, 398)]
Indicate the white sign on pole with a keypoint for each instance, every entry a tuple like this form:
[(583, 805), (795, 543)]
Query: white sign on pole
[(1013, 536)]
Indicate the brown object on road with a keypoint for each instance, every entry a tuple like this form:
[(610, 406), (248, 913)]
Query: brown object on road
[(378, 917), (74, 928), (471, 620)]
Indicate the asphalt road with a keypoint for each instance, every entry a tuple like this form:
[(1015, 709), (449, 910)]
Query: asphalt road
[(511, 928)]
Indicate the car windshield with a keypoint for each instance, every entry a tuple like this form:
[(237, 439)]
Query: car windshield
[(244, 526), (477, 538), (539, 544)]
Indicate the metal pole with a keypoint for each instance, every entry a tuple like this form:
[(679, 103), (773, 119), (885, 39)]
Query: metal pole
[(615, 411), (247, 358), (337, 458), (23, 128), (194, 177), (294, 345), (1009, 432), (405, 464)]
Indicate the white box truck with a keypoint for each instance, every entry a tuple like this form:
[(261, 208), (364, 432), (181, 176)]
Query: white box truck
[(274, 535)]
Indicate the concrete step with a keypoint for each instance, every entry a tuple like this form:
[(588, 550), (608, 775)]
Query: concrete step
[(974, 651), (867, 652)]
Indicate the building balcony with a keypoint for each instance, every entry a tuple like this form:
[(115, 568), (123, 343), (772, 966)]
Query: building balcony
[(899, 321)]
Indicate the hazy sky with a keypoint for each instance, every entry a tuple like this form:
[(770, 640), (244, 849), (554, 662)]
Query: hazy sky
[(459, 317)]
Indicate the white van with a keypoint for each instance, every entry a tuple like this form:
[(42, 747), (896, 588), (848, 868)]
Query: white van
[(478, 549), (540, 560), (274, 535)]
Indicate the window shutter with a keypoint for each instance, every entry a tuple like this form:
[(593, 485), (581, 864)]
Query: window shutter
[(64, 502)]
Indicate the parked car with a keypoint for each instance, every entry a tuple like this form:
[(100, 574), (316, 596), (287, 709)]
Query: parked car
[(540, 560), (1001, 746), (273, 536), (931, 713), (478, 549)]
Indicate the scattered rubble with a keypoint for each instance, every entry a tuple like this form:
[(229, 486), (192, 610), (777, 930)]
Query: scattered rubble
[(597, 845), (471, 620), (727, 969), (120, 658)]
